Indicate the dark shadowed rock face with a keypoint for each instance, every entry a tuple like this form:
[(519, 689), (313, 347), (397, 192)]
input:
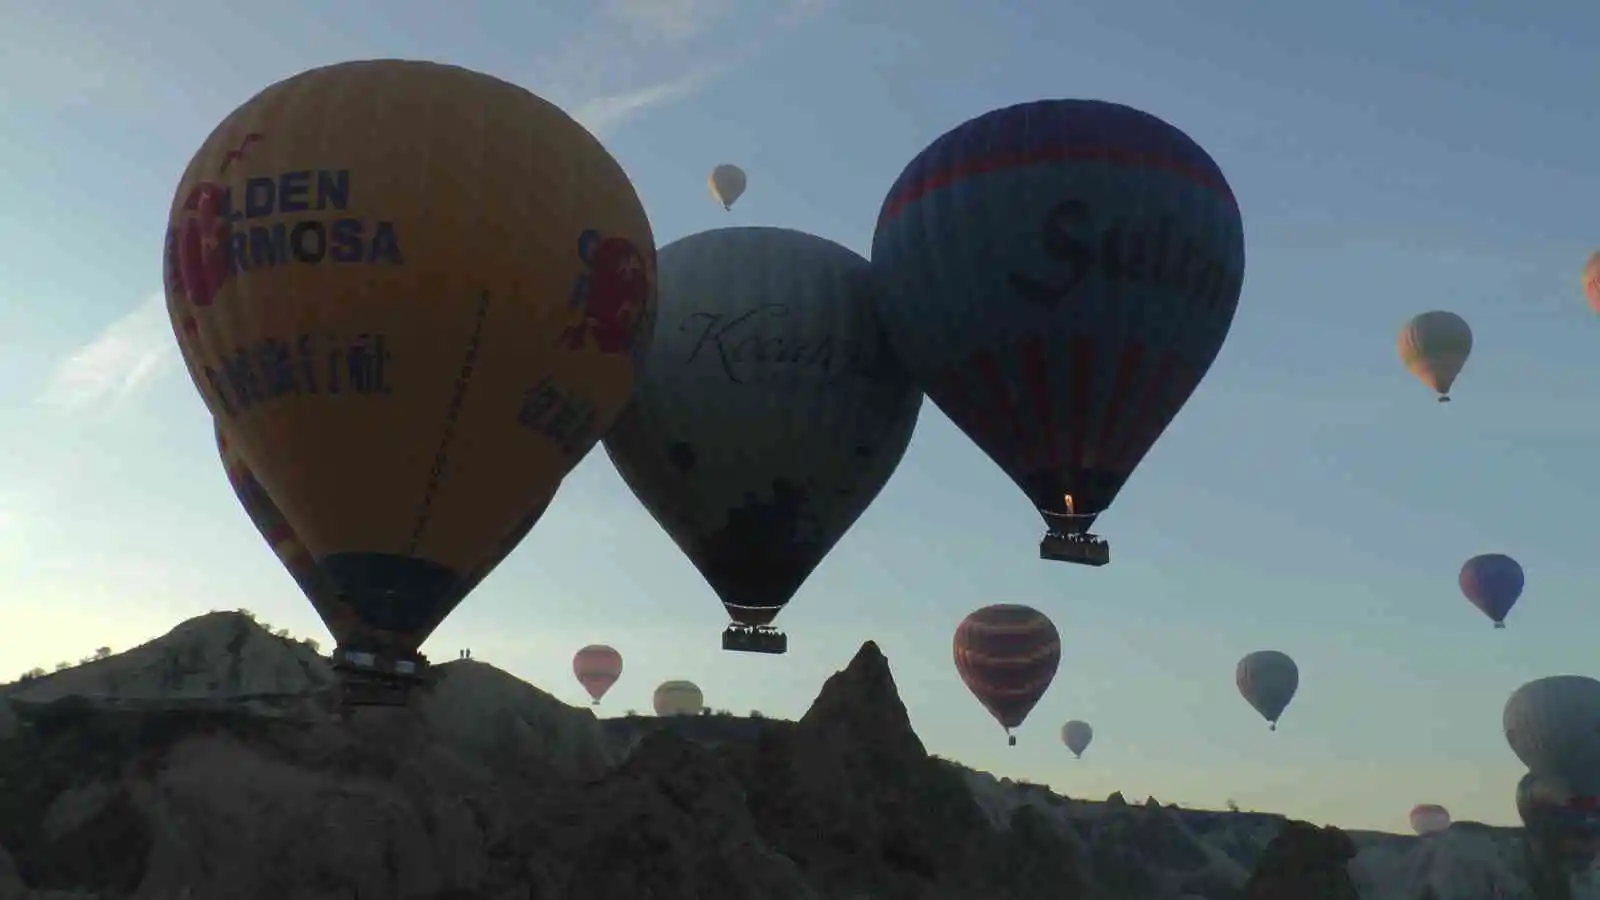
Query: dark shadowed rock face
[(1304, 862)]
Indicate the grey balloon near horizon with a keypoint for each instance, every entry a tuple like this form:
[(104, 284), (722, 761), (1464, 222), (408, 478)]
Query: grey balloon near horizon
[(1077, 735), (1268, 679), (768, 412)]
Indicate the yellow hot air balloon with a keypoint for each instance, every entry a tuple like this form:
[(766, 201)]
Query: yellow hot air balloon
[(727, 184), (1434, 346), (414, 296)]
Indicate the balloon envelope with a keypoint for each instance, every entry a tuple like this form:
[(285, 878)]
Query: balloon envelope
[(727, 184), (597, 667), (1434, 346), (1059, 276), (769, 413), (678, 698), (1553, 726), (269, 521), (1077, 735), (1492, 582), (409, 362), (1429, 818), (1267, 680), (1007, 655)]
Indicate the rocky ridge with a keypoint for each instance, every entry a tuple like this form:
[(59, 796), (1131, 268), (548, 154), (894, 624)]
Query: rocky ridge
[(210, 763)]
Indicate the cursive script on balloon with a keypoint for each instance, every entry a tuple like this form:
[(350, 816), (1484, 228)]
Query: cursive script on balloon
[(751, 348)]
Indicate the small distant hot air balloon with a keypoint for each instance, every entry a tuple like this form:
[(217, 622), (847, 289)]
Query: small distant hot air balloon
[(1077, 735), (1553, 725), (1267, 680), (1591, 281), (1060, 276), (768, 416), (1434, 346), (1007, 655), (1429, 818), (727, 184), (1492, 582), (678, 698), (598, 667), (408, 388)]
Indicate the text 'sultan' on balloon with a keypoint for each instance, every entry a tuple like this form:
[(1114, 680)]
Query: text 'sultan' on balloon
[(1007, 655), (1059, 277), (1492, 582), (1434, 346), (1267, 679), (769, 412), (678, 698), (597, 667), (414, 296), (268, 520), (1553, 725), (727, 184)]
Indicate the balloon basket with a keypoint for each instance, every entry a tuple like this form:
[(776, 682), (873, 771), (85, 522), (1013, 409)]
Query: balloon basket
[(1083, 549), (1011, 740), (754, 639), (377, 679), (1499, 624), (1444, 399)]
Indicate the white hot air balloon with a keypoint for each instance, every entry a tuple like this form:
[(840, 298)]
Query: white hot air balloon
[(1267, 680), (1434, 346), (1077, 735), (1429, 818), (727, 184), (678, 698), (1553, 726)]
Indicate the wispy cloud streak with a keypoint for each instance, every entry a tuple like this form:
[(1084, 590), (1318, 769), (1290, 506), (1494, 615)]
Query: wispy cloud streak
[(117, 364)]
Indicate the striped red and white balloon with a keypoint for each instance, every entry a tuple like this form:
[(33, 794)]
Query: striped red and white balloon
[(1429, 818), (598, 667), (1007, 655)]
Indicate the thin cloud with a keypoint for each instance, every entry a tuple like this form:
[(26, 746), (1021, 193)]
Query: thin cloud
[(656, 52), (118, 363)]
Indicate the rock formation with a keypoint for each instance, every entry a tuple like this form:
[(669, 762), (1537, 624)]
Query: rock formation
[(209, 764)]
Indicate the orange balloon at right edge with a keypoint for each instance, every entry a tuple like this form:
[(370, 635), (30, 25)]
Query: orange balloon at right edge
[(414, 296), (1591, 281)]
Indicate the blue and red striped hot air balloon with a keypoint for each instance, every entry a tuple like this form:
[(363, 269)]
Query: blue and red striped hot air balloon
[(1059, 276), (1007, 655)]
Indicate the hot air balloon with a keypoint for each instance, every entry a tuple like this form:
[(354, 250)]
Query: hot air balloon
[(1553, 726), (1007, 656), (1267, 680), (1434, 346), (678, 698), (1561, 824), (1429, 818), (1493, 582), (597, 667), (1059, 276), (1077, 735), (269, 521), (1591, 280), (768, 415), (408, 363), (727, 184)]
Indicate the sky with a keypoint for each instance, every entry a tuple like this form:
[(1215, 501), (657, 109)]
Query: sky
[(1389, 157)]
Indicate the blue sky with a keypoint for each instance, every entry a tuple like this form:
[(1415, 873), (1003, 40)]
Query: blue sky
[(1390, 157)]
